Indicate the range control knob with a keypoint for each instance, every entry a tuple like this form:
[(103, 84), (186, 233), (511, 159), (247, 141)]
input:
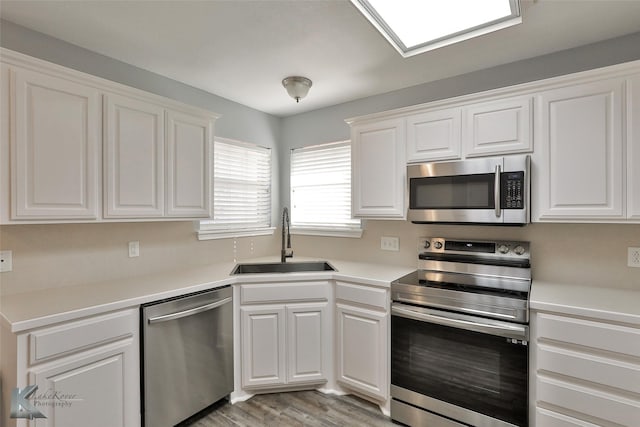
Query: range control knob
[(503, 249), (519, 250), (427, 244), (437, 244)]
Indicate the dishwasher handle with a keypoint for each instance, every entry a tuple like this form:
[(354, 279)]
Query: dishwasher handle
[(189, 312)]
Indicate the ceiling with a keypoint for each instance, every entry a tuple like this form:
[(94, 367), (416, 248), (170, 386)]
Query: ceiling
[(241, 50)]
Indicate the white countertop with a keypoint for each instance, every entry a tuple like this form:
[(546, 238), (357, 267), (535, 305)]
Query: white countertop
[(29, 310), (612, 304)]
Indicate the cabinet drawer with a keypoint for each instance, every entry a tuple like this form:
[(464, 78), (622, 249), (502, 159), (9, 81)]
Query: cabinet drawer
[(589, 401), (553, 419), (366, 295), (79, 335), (602, 336), (283, 292), (588, 367)]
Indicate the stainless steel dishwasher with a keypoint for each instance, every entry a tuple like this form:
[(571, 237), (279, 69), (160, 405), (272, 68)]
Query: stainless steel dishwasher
[(187, 355)]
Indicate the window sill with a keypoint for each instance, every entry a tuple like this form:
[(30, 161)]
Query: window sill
[(327, 232), (212, 234)]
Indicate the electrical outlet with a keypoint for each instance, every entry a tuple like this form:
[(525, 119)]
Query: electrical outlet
[(390, 243), (633, 257), (134, 249), (6, 261)]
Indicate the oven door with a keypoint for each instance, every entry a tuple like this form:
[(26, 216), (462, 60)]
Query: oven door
[(461, 367)]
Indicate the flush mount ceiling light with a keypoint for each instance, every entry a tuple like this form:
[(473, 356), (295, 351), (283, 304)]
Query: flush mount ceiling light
[(417, 26), (297, 87)]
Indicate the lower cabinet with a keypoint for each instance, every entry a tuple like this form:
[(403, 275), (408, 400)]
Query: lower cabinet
[(87, 372), (362, 339), (284, 344), (587, 372)]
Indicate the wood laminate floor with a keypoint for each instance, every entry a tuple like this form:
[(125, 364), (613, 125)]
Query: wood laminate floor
[(302, 408)]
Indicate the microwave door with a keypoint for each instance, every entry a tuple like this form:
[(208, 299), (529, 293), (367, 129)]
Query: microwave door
[(457, 192)]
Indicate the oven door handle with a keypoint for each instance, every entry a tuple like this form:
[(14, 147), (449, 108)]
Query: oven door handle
[(519, 332)]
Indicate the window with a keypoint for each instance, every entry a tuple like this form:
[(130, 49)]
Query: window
[(321, 190), (241, 191)]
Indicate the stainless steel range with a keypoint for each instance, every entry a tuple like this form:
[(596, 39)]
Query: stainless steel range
[(459, 335)]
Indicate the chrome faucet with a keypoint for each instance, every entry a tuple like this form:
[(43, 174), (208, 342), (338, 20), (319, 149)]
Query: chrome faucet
[(286, 252)]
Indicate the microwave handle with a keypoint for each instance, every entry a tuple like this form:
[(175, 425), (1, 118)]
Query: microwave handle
[(496, 192)]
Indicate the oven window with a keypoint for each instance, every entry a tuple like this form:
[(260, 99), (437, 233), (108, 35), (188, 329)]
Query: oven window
[(453, 192), (479, 372)]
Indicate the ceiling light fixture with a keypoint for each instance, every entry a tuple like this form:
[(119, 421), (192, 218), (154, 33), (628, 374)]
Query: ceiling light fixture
[(297, 87), (414, 27)]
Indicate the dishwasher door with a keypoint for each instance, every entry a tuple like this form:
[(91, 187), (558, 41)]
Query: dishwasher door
[(187, 355)]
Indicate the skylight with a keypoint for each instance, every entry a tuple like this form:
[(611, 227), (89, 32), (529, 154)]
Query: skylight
[(417, 26)]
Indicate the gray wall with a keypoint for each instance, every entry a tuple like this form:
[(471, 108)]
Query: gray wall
[(237, 122), (327, 124)]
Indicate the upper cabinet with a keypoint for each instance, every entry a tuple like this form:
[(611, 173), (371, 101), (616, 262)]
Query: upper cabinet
[(633, 148), (134, 158), (55, 146), (189, 165), (502, 126), (76, 148), (579, 154), (434, 135), (378, 169)]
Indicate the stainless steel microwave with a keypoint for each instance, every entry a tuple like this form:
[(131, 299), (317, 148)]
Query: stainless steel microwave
[(492, 190)]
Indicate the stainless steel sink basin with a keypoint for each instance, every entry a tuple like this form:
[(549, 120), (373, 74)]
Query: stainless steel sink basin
[(282, 267)]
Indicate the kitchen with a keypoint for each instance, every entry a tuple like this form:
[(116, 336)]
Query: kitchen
[(60, 255)]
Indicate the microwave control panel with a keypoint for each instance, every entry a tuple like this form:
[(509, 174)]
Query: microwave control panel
[(512, 190)]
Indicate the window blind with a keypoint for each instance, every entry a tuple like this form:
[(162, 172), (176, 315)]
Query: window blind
[(241, 186), (321, 187)]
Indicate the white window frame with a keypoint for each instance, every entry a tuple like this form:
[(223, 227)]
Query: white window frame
[(210, 229), (352, 229)]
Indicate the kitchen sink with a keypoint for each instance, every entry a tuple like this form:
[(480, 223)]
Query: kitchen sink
[(282, 267)]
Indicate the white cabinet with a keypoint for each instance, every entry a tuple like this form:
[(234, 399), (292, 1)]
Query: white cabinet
[(378, 169), (77, 148), (633, 148), (434, 135), (362, 339), (86, 369), (134, 158), (263, 345), (587, 371), (305, 342), (55, 147), (502, 126), (285, 340), (579, 153), (189, 158)]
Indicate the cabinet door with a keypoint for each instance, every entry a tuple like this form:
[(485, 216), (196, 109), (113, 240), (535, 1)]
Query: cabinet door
[(633, 148), (306, 342), (434, 135), (378, 168), (263, 345), (498, 127), (189, 165), (134, 158), (102, 386), (362, 350), (55, 146), (578, 154)]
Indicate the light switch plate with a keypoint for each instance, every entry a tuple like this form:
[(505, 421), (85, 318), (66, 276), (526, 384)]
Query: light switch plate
[(6, 261), (390, 243), (134, 249), (633, 257)]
